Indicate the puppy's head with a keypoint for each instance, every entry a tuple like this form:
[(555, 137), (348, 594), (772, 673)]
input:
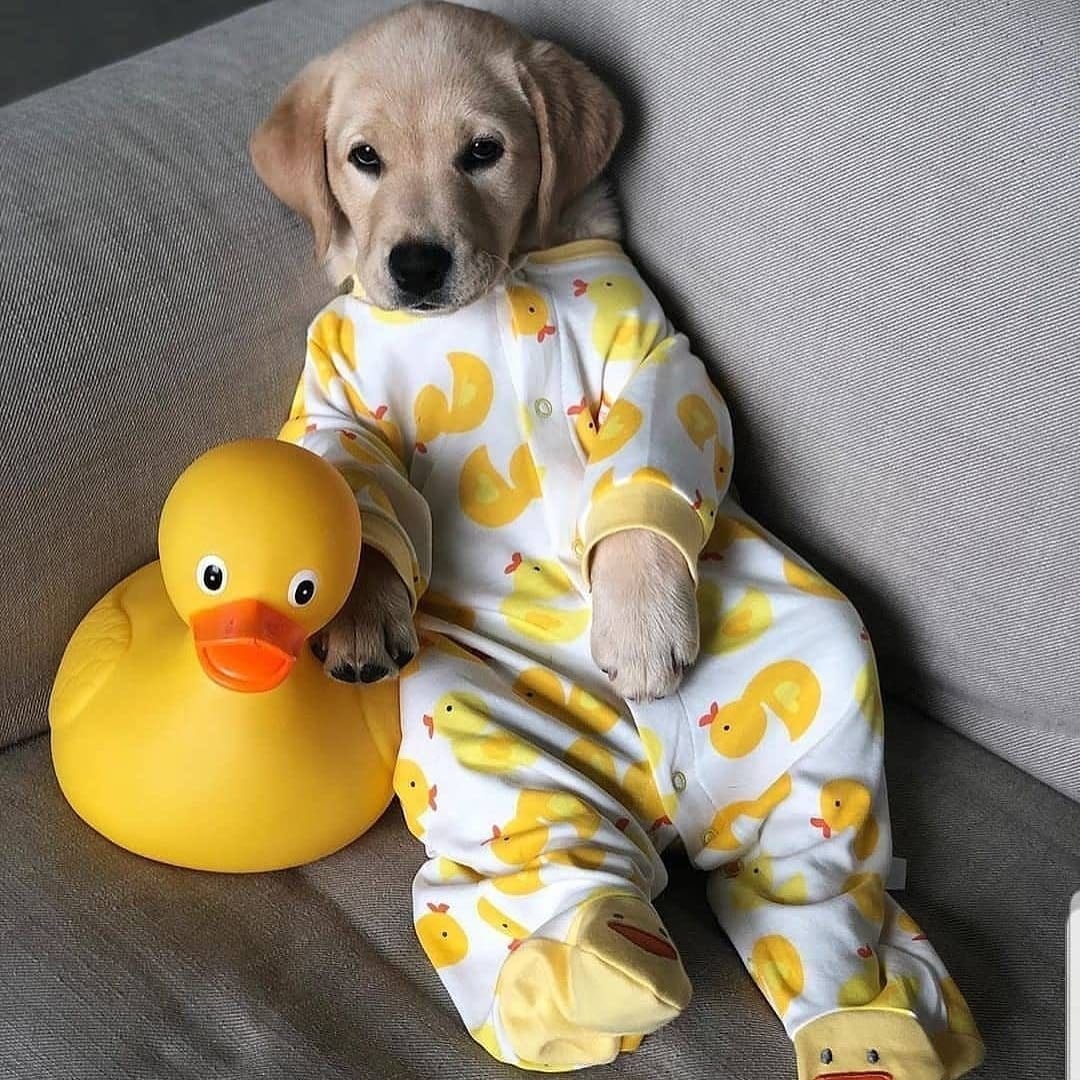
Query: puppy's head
[(433, 145)]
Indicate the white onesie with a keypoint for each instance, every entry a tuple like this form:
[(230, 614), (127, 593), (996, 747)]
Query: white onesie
[(490, 449)]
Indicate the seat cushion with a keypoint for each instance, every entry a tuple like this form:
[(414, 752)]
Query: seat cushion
[(115, 966)]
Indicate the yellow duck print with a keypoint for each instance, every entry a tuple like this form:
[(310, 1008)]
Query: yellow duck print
[(522, 840), (593, 761), (618, 333), (899, 992), (441, 936), (643, 797), (415, 794), (463, 718), (536, 582), (501, 922), (617, 428), (775, 965), (332, 354), (471, 394), (722, 836), (910, 926), (487, 498), (700, 424), (725, 532), (865, 985), (584, 425), (810, 581), (867, 890), (754, 884), (790, 691), (868, 697), (724, 632), (846, 804), (580, 711), (529, 313)]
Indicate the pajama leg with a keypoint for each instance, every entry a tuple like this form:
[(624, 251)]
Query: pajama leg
[(535, 904), (785, 803)]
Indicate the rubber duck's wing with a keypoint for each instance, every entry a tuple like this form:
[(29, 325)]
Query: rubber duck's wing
[(90, 657)]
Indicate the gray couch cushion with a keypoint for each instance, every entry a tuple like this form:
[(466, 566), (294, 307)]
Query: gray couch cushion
[(114, 966), (863, 217)]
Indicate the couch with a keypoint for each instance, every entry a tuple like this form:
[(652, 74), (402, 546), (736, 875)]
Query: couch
[(866, 219)]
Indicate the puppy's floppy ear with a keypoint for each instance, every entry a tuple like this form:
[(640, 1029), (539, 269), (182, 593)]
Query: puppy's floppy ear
[(288, 150), (578, 120)]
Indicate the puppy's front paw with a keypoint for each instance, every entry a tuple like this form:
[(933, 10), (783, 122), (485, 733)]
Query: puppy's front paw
[(373, 636), (645, 619)]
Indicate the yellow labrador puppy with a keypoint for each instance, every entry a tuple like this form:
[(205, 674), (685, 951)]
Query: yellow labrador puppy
[(428, 152)]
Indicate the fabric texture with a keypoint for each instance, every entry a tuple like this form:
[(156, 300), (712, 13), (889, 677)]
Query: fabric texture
[(116, 967)]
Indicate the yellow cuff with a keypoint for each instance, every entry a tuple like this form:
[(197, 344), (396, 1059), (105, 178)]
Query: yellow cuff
[(387, 538), (644, 505)]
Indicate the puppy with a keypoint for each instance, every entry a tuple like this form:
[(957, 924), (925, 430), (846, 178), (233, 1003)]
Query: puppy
[(429, 153)]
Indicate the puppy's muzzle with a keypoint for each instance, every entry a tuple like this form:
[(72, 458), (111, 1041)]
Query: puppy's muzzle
[(419, 269)]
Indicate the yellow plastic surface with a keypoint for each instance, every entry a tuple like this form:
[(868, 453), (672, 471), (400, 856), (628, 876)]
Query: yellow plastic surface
[(165, 761)]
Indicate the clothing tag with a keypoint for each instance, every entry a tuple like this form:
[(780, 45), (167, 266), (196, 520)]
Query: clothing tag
[(897, 878)]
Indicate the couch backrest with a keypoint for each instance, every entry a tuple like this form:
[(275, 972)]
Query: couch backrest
[(866, 218)]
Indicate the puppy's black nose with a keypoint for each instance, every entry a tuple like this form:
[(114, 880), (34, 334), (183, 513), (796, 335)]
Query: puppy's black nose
[(419, 268)]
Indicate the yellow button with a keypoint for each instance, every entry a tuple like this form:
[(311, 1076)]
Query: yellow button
[(709, 837), (579, 548), (542, 407), (678, 781)]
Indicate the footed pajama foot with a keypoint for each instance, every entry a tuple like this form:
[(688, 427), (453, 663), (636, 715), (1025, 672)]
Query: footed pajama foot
[(880, 1044), (566, 1005)]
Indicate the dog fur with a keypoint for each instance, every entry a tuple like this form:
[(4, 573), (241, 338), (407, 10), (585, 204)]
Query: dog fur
[(417, 85)]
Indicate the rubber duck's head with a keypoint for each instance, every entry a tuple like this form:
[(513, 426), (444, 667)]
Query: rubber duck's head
[(259, 543)]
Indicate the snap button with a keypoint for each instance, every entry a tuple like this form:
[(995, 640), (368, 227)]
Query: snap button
[(678, 781), (579, 548), (542, 407), (708, 837)]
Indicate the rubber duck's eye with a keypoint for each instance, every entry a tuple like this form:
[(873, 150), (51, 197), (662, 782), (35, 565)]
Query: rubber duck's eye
[(826, 1056), (837, 804), (532, 310), (302, 588), (617, 915), (609, 284), (873, 1057), (211, 574), (537, 569)]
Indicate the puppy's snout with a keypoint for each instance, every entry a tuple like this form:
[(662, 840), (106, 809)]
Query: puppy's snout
[(419, 268)]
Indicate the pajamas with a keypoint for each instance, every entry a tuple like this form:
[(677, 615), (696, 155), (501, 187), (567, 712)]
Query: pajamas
[(518, 433)]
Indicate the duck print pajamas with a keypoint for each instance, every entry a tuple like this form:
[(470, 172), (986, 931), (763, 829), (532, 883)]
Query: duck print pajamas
[(490, 450)]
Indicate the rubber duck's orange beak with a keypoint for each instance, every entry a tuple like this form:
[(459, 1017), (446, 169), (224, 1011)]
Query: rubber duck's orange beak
[(246, 645)]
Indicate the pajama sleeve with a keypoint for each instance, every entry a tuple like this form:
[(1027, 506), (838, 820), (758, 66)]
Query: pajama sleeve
[(661, 459), (332, 417)]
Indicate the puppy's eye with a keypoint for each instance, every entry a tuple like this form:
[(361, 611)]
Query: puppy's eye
[(364, 158), (480, 154)]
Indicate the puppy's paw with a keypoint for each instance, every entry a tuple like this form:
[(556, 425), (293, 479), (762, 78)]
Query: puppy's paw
[(373, 636), (645, 618)]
